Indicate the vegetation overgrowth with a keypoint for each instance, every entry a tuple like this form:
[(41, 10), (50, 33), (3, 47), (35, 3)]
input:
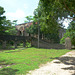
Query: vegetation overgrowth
[(22, 60)]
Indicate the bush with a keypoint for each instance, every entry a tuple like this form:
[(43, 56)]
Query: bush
[(28, 44), (68, 34)]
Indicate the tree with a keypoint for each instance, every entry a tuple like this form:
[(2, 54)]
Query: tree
[(53, 12), (5, 25), (59, 5), (71, 29), (12, 30), (29, 18), (70, 33), (14, 22), (26, 21), (47, 22), (33, 29), (1, 19)]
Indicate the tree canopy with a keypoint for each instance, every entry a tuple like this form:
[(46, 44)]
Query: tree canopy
[(70, 33), (28, 18), (50, 12), (6, 25)]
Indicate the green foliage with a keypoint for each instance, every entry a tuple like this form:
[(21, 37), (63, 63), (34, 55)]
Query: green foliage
[(28, 45), (33, 29), (4, 24), (70, 33), (1, 11), (6, 27), (49, 11), (14, 22), (58, 5), (29, 18), (21, 61), (53, 36), (1, 19), (67, 34), (11, 31), (48, 22), (26, 21)]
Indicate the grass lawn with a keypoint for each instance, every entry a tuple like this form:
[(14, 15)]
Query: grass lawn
[(20, 61)]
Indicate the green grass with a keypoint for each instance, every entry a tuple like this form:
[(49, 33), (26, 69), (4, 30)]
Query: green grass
[(20, 61)]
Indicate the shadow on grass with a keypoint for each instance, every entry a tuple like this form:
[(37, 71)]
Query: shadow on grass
[(4, 49), (12, 50), (4, 64), (67, 61), (8, 71)]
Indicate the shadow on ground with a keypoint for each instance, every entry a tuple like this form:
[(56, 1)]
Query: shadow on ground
[(67, 61), (8, 71), (4, 70), (12, 50)]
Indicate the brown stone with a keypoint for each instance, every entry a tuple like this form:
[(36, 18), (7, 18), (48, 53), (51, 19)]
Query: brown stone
[(68, 43), (15, 44), (4, 44), (24, 43)]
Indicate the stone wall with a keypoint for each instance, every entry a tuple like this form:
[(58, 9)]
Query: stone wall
[(47, 45), (67, 43), (5, 38)]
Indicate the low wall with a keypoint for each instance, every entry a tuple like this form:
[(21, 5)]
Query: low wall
[(47, 45), (5, 38), (34, 42), (13, 37)]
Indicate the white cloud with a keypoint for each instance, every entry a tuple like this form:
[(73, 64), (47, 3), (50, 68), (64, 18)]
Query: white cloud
[(25, 6), (18, 10), (18, 15)]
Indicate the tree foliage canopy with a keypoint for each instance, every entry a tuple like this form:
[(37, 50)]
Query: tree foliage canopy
[(70, 33), (29, 18), (49, 12), (6, 25)]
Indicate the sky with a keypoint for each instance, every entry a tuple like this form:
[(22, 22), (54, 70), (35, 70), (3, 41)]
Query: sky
[(67, 22), (18, 9)]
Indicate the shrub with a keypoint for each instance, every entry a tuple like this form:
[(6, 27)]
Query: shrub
[(28, 44), (68, 34)]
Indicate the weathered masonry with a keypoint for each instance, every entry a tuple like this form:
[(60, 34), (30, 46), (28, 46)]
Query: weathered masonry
[(21, 28), (5, 38), (42, 44)]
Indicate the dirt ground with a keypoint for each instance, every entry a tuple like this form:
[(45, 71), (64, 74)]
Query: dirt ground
[(64, 65)]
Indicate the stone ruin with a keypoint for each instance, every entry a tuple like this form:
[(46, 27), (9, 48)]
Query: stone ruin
[(67, 43), (21, 29)]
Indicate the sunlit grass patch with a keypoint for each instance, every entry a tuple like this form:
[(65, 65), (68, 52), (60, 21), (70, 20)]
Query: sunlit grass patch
[(20, 61)]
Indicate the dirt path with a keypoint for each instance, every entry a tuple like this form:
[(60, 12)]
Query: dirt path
[(65, 65)]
